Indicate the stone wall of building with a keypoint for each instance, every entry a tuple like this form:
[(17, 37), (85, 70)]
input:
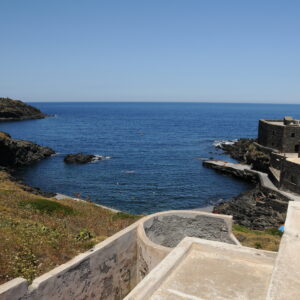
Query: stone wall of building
[(282, 138), (291, 139), (270, 135), (290, 176)]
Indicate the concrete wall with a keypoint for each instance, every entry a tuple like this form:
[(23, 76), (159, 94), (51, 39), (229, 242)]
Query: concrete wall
[(285, 281), (290, 176), (151, 254), (108, 271)]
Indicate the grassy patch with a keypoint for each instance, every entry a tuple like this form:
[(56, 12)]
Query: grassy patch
[(123, 215), (47, 206), (37, 234), (268, 239)]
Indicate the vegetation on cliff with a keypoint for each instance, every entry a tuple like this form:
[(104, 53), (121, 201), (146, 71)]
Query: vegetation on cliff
[(38, 233), (16, 110)]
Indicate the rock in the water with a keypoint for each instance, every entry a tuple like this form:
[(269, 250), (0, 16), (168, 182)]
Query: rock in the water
[(255, 209), (16, 153), (80, 158), (16, 110)]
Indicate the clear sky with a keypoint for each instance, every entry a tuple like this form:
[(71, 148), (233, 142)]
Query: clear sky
[(150, 50)]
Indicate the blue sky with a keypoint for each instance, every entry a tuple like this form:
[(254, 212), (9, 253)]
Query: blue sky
[(167, 50)]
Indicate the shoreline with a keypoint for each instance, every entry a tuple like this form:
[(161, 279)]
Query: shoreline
[(59, 196)]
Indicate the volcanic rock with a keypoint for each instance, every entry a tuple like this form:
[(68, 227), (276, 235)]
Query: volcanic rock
[(17, 153), (16, 110), (255, 209), (80, 158)]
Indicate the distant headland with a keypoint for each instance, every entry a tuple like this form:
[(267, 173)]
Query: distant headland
[(16, 110)]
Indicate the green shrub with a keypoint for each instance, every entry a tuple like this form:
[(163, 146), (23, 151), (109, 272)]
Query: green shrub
[(84, 235)]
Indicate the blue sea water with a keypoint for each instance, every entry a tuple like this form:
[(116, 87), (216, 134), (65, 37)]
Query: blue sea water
[(154, 149)]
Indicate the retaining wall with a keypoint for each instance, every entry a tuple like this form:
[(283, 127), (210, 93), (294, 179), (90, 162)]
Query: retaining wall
[(108, 271)]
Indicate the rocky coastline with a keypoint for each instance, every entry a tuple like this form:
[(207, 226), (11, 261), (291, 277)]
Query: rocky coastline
[(16, 110), (19, 153), (256, 209)]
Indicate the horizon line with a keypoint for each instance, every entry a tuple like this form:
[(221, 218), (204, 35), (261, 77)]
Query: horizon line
[(157, 101)]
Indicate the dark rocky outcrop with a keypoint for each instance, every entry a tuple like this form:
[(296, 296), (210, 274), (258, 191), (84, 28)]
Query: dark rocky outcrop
[(16, 110), (237, 149), (80, 158), (245, 151), (17, 153), (255, 209)]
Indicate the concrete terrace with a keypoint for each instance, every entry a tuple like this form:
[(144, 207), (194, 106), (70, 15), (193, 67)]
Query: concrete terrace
[(198, 269)]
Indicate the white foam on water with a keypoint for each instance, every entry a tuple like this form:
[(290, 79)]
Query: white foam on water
[(128, 171), (100, 157), (220, 143)]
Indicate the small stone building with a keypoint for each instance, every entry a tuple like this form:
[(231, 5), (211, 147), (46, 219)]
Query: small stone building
[(280, 135)]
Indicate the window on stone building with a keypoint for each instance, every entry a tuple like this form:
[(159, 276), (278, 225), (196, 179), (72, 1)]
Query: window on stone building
[(273, 132), (293, 134), (293, 179)]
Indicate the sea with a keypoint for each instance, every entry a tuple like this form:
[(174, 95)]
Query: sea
[(152, 151)]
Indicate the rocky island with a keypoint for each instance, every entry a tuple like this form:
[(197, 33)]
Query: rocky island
[(80, 158), (16, 110)]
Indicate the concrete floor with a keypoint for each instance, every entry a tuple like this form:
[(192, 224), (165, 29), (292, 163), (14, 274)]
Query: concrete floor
[(218, 275)]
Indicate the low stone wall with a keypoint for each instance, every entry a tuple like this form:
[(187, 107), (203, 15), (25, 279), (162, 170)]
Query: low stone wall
[(108, 271)]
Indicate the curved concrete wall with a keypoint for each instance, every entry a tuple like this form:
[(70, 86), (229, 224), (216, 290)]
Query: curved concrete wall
[(150, 254)]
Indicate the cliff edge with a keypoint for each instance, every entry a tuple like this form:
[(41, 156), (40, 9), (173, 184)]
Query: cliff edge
[(17, 153)]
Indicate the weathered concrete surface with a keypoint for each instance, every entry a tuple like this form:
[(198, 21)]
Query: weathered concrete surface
[(234, 169), (169, 230), (208, 270), (14, 289), (285, 282), (109, 271), (150, 254), (105, 272)]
